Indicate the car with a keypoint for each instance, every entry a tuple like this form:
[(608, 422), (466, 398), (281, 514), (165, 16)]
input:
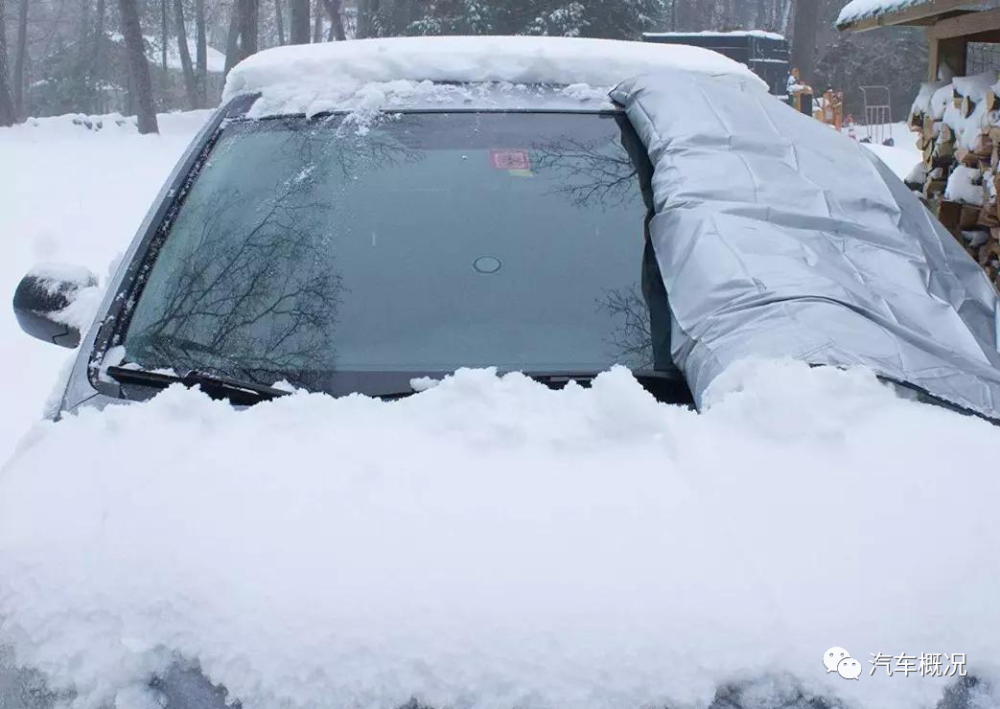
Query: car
[(496, 227), (449, 203), (370, 217)]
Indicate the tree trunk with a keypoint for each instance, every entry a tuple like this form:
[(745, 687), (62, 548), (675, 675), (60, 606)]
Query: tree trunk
[(279, 20), (164, 38), (242, 32), (317, 23), (249, 16), (201, 53), (334, 10), (190, 83), (786, 12), (689, 15), (141, 86), (804, 38), (371, 14), (299, 22), (20, 55), (233, 40), (6, 102), (98, 42)]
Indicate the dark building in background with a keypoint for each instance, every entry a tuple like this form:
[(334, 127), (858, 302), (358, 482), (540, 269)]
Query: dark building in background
[(765, 53)]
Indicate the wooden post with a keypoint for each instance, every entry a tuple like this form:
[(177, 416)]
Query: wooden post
[(949, 51)]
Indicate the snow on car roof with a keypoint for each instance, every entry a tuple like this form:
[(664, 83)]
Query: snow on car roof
[(313, 78)]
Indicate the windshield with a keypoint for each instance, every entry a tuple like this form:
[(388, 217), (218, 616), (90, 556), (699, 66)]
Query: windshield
[(349, 258)]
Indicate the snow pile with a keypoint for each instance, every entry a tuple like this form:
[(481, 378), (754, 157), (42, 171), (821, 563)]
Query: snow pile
[(110, 125), (863, 9), (965, 184), (923, 103), (297, 79), (492, 543), (70, 192), (708, 33), (903, 158)]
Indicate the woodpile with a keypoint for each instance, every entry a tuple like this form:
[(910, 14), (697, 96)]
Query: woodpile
[(958, 132)]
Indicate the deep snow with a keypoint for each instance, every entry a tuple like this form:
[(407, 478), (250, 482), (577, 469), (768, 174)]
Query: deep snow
[(492, 543)]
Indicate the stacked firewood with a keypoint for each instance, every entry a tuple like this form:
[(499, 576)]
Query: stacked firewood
[(958, 130)]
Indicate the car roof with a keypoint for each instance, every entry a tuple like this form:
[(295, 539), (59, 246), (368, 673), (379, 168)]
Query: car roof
[(531, 73)]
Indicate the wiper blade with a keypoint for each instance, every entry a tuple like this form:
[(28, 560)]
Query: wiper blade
[(236, 391), (586, 377)]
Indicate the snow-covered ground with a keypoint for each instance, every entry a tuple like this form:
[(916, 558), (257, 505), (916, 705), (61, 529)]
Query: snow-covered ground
[(488, 543), (77, 195), (902, 157)]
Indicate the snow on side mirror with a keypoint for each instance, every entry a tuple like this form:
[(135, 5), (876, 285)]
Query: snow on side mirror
[(45, 298)]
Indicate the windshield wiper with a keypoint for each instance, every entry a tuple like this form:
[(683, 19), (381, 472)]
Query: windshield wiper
[(236, 391), (585, 378)]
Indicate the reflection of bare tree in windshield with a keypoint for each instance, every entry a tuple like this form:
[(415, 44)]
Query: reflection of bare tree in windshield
[(632, 337), (593, 171), (264, 299), (247, 282)]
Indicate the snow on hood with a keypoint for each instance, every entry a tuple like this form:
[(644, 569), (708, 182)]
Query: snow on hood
[(493, 543), (291, 79)]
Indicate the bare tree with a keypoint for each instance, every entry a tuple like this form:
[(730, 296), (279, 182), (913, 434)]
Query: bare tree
[(190, 82), (300, 21), (201, 52), (6, 102), (233, 39), (20, 56), (367, 9), (243, 27), (249, 27), (335, 10), (249, 21), (141, 86), (163, 43), (95, 49), (279, 20), (804, 29), (317, 35)]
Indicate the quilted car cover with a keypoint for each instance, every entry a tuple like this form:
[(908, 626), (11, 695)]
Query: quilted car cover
[(777, 237)]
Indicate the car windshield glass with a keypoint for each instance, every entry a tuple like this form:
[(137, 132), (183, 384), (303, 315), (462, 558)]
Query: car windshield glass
[(349, 258)]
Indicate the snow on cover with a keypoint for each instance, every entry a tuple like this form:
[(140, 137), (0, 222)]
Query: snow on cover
[(492, 543), (297, 79)]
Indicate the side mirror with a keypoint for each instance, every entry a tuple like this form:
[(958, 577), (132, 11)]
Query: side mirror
[(44, 298)]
